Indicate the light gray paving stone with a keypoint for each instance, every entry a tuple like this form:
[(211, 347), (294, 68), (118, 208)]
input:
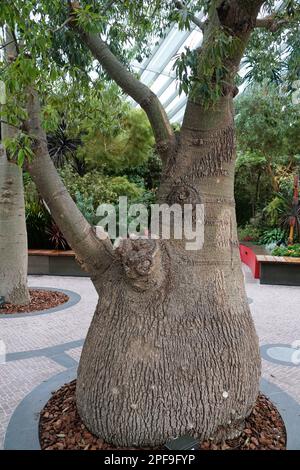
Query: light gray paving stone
[(42, 346)]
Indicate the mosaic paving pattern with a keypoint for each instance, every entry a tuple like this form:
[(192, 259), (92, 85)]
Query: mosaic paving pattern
[(42, 346)]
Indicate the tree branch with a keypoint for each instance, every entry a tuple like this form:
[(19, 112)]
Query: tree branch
[(61, 26), (3, 121), (194, 18), (130, 85), (94, 254), (3, 46), (272, 23)]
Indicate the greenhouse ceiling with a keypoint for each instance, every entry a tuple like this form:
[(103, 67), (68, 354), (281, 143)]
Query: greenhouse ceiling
[(157, 70)]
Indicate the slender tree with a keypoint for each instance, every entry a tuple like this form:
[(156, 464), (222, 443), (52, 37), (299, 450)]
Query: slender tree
[(13, 235), (172, 348)]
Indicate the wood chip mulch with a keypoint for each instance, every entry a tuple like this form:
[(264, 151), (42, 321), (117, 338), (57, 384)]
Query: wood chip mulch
[(39, 300), (62, 429)]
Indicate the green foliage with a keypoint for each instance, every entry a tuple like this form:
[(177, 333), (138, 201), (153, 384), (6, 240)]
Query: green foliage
[(274, 235), (275, 210), (37, 221), (274, 56), (293, 251), (268, 122), (103, 189), (269, 154), (252, 185), (86, 206), (97, 129), (62, 148), (118, 149), (19, 148), (42, 232), (51, 50), (204, 75), (249, 233), (148, 174)]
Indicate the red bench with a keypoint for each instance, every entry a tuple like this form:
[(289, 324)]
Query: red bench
[(249, 257)]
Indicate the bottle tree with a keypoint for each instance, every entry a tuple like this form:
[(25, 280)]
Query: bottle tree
[(172, 347)]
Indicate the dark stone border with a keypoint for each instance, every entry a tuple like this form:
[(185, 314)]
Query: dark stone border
[(264, 354), (23, 429), (74, 298), (55, 353)]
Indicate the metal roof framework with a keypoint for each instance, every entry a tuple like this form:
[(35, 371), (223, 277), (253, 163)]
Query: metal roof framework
[(157, 72)]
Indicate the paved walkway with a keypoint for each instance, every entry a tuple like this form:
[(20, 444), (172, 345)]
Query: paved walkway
[(41, 346)]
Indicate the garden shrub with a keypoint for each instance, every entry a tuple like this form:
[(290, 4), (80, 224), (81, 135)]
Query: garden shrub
[(274, 235), (292, 251), (249, 233)]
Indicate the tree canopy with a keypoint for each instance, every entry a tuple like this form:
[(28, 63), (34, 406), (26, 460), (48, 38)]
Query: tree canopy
[(49, 52)]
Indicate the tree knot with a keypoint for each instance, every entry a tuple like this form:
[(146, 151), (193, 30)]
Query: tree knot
[(141, 261)]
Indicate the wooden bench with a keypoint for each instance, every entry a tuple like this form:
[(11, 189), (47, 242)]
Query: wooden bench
[(54, 263), (279, 270)]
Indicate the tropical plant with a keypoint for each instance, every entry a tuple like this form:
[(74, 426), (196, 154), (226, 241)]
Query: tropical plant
[(37, 221), (269, 148), (62, 148), (249, 233), (56, 238), (292, 251), (275, 235), (101, 188)]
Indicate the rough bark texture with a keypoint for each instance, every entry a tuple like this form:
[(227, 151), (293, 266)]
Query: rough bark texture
[(182, 357), (13, 236)]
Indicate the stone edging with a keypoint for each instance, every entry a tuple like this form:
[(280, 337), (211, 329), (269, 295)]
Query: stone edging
[(23, 429), (74, 298), (264, 354)]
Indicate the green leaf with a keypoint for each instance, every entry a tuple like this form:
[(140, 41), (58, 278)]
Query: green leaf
[(21, 157)]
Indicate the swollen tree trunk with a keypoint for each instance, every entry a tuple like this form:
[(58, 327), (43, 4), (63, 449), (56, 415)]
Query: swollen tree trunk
[(172, 347), (182, 356), (13, 235)]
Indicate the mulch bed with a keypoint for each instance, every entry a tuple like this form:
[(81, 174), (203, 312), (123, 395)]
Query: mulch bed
[(62, 429), (39, 300)]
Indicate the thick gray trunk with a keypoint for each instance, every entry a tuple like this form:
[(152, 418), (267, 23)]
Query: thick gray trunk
[(181, 357), (180, 360), (13, 236)]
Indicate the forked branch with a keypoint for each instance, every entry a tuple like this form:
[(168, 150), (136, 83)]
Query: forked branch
[(194, 19), (95, 255), (273, 23), (128, 82)]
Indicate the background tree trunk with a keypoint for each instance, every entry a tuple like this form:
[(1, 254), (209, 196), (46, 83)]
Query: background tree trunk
[(13, 234), (182, 357)]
